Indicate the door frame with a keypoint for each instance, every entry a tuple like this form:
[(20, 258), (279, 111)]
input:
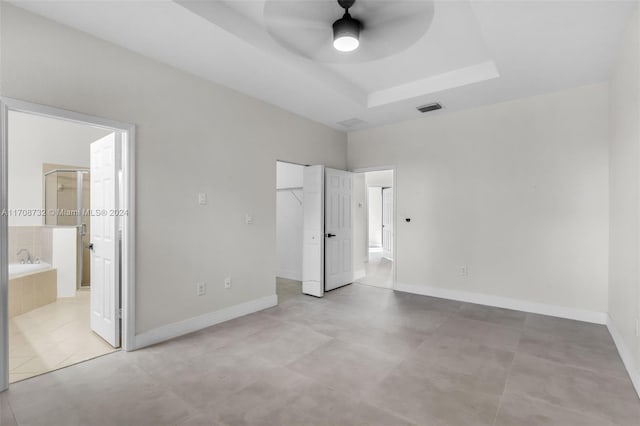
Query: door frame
[(394, 269), (128, 234), (393, 220)]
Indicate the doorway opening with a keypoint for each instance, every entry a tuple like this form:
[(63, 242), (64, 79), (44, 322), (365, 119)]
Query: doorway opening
[(376, 238), (289, 229), (67, 239), (333, 228)]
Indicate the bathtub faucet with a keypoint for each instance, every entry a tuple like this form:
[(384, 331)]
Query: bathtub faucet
[(28, 260)]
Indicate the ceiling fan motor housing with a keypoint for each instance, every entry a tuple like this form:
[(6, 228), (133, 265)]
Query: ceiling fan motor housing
[(346, 4), (346, 26)]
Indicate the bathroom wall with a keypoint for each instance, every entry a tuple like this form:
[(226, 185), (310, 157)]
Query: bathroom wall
[(36, 239), (64, 259), (53, 245), (33, 141)]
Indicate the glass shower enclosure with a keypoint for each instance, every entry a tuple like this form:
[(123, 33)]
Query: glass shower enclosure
[(66, 199)]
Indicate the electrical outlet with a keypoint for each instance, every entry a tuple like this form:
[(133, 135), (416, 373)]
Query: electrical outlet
[(464, 271), (227, 282), (202, 198), (201, 289), (248, 219)]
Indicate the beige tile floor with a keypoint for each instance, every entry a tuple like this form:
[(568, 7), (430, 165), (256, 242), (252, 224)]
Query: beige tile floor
[(359, 356), (53, 336)]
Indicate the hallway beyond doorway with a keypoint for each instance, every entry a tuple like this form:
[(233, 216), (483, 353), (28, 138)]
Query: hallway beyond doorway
[(378, 270)]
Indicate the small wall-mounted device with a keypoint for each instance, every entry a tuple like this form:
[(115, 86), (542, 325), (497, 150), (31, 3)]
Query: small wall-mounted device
[(429, 107), (407, 219)]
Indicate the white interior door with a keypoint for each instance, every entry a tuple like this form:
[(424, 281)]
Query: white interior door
[(387, 223), (338, 228), (313, 231), (105, 286)]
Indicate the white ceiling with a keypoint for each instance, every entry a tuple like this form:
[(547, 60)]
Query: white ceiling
[(474, 53)]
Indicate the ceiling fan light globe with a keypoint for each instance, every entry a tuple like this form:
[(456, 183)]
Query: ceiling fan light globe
[(346, 43)]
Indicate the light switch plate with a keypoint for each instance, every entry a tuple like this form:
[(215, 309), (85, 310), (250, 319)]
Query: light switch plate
[(202, 198)]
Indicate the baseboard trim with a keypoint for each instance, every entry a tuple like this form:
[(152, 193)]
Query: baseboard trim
[(190, 325), (625, 354), (359, 274), (505, 302)]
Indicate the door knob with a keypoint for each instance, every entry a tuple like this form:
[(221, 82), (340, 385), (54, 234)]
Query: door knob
[(331, 235), (91, 246)]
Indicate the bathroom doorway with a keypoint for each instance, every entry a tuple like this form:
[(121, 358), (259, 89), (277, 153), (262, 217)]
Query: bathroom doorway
[(67, 240)]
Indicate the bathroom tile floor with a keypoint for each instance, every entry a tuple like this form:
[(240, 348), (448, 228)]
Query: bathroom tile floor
[(361, 355), (53, 336)]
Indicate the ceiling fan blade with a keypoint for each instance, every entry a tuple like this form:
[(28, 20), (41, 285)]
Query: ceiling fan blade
[(311, 47), (380, 22), (396, 31), (301, 24), (305, 10)]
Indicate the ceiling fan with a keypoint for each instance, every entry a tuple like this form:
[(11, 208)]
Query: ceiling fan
[(368, 29), (346, 30)]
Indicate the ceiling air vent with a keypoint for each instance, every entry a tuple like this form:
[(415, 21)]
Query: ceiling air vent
[(430, 107), (351, 123)]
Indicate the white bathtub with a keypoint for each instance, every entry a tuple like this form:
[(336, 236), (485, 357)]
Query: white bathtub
[(20, 269)]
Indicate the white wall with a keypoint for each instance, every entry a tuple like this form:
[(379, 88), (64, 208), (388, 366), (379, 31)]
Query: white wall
[(380, 178), (374, 201), (517, 192), (288, 175), (192, 136), (289, 217), (34, 140), (359, 208), (64, 251), (624, 254)]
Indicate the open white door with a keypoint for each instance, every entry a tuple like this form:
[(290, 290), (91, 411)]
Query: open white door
[(105, 286), (338, 228), (313, 231), (387, 223)]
